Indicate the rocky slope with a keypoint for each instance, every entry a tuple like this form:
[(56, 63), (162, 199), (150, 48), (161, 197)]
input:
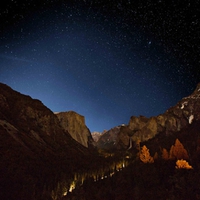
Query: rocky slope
[(36, 152), (141, 128), (30, 118), (109, 139), (96, 135), (75, 125)]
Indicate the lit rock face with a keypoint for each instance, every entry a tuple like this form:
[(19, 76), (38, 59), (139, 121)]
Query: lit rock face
[(141, 128), (173, 120), (75, 125), (109, 139), (35, 149), (96, 135), (28, 120), (28, 115)]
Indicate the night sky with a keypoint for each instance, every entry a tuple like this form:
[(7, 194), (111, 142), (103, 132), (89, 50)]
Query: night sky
[(106, 60)]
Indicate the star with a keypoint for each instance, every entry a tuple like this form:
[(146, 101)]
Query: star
[(106, 61)]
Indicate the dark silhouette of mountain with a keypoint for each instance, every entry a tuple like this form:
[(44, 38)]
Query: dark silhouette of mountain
[(109, 139), (36, 152), (179, 117)]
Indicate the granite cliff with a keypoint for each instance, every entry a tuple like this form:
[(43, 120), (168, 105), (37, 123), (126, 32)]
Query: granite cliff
[(109, 138), (175, 119), (96, 135), (74, 123), (36, 153)]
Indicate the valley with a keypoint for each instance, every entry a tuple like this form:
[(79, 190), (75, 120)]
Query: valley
[(52, 156)]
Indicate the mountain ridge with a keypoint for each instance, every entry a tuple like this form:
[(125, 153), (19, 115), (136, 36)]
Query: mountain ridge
[(34, 148), (177, 117), (74, 123)]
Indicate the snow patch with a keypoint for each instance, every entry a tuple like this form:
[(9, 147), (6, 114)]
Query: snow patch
[(193, 97), (184, 104), (191, 119), (56, 113)]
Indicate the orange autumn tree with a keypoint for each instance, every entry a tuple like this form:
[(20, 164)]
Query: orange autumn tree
[(145, 156), (177, 151), (165, 154), (155, 157), (183, 164)]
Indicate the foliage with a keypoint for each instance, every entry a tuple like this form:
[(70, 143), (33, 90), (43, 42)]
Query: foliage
[(155, 157), (182, 164), (165, 154), (145, 156), (177, 151)]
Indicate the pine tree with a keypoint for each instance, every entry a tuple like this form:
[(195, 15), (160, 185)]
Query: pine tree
[(155, 157), (145, 156), (178, 151), (171, 153), (165, 154)]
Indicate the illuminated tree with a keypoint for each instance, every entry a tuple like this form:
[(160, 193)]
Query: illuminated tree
[(171, 153), (165, 154), (178, 151), (182, 164), (155, 157), (145, 156)]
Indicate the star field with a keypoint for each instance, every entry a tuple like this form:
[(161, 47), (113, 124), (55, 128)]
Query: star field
[(106, 60)]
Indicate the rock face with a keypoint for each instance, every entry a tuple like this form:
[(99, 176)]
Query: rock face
[(173, 120), (109, 139), (36, 152), (96, 135), (176, 118), (75, 125)]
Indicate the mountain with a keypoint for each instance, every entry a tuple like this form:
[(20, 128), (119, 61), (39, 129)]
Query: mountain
[(39, 159), (165, 163), (96, 135), (36, 152), (109, 139), (74, 123), (141, 128)]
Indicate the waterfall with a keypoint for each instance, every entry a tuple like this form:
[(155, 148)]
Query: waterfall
[(130, 143)]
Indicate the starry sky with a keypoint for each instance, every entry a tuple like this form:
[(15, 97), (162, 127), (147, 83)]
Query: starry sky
[(106, 60)]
